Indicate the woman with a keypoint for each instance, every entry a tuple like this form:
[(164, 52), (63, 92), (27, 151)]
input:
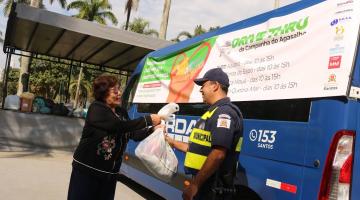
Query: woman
[(97, 158)]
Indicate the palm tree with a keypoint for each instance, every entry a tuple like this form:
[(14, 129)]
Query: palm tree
[(133, 5), (197, 31), (81, 93), (93, 10), (165, 19), (34, 3), (140, 25), (130, 5)]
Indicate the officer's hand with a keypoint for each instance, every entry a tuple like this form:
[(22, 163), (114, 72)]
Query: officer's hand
[(190, 191), (169, 140), (156, 119)]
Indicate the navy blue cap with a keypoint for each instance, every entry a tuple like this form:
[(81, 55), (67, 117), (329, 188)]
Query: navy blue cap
[(216, 74)]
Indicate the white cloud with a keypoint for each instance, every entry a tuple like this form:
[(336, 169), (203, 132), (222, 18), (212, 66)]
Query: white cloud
[(184, 14)]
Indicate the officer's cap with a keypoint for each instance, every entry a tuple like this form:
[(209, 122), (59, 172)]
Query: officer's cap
[(216, 74)]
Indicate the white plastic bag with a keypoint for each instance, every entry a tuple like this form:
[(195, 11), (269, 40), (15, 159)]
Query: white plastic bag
[(167, 111), (157, 155)]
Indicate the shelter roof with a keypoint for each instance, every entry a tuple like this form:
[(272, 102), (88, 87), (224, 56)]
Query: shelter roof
[(47, 33)]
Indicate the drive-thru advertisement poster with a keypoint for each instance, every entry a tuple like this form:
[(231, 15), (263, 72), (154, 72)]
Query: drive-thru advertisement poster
[(308, 53)]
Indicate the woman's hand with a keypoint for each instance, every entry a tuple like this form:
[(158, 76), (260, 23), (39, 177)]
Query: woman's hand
[(161, 126), (156, 119)]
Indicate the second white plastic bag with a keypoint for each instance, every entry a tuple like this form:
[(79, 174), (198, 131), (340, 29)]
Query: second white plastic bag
[(157, 155)]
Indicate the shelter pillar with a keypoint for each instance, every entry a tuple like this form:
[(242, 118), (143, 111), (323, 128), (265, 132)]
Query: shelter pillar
[(6, 75)]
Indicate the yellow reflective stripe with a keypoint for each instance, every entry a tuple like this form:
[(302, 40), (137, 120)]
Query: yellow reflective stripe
[(208, 114), (193, 160), (238, 145), (200, 137)]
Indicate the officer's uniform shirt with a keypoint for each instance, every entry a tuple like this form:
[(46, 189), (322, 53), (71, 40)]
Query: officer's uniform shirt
[(221, 126), (225, 126)]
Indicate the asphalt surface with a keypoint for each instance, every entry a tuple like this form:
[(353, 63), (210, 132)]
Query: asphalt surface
[(43, 174)]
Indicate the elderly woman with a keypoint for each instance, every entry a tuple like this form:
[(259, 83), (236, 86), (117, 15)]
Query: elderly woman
[(97, 158)]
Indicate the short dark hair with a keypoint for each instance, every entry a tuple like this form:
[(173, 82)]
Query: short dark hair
[(102, 85), (223, 87)]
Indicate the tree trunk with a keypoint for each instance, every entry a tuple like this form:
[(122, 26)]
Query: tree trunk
[(165, 19), (1, 39), (24, 68), (78, 87), (127, 20), (25, 60)]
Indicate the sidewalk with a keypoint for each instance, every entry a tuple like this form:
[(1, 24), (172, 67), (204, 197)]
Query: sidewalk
[(42, 175)]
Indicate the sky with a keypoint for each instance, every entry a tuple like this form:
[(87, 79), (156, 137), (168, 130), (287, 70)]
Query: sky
[(185, 15)]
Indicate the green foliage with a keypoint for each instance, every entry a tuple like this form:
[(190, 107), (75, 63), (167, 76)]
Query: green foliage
[(198, 30), (85, 91), (89, 75), (8, 4), (48, 78), (94, 10), (140, 25), (12, 82), (130, 5), (13, 79)]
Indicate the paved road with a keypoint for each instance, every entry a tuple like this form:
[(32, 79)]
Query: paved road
[(44, 174)]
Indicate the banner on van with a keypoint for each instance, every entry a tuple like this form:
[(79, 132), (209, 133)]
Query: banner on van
[(172, 78), (308, 53)]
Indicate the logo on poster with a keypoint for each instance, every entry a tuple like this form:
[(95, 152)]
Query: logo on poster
[(336, 50), (225, 48), (332, 78), (331, 83), (340, 20), (334, 62), (339, 31)]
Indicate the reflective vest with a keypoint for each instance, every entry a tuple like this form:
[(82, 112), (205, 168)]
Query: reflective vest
[(200, 140)]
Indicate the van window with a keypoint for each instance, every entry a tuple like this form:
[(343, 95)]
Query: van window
[(194, 109), (280, 110)]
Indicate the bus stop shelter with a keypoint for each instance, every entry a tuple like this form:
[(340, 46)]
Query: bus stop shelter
[(36, 33)]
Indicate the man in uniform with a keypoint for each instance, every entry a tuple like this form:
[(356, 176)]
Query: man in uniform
[(214, 143)]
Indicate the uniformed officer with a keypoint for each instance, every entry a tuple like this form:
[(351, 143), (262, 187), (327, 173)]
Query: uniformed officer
[(214, 143)]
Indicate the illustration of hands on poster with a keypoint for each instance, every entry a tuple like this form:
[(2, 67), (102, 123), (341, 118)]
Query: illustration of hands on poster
[(171, 78), (186, 67)]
